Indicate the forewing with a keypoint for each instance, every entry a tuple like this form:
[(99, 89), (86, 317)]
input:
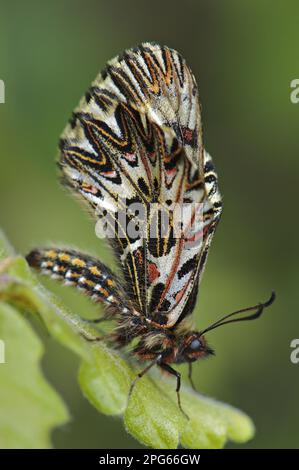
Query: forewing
[(174, 293), (136, 138)]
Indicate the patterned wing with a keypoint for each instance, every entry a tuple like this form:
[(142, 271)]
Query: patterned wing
[(136, 139)]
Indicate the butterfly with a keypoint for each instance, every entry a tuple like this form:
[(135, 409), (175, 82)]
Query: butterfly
[(135, 140)]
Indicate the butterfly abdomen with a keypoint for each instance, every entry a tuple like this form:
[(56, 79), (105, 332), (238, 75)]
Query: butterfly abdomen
[(81, 271)]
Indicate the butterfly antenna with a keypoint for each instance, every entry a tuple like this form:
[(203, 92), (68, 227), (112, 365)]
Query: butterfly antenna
[(257, 309)]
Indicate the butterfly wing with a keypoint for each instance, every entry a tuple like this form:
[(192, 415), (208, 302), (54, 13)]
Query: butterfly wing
[(135, 140)]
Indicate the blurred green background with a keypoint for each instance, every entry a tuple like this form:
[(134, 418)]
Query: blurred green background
[(244, 55)]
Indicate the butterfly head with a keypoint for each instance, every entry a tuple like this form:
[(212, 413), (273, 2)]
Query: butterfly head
[(193, 347)]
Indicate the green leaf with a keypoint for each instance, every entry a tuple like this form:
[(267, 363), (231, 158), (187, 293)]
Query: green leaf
[(29, 407), (151, 414)]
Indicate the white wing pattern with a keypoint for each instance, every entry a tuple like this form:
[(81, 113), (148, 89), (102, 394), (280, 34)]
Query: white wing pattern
[(136, 137)]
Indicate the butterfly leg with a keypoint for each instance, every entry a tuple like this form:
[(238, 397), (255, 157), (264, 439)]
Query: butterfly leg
[(96, 339), (190, 376), (142, 373), (97, 320), (177, 374)]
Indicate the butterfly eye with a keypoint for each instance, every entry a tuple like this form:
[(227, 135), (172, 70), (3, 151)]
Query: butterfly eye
[(195, 345)]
